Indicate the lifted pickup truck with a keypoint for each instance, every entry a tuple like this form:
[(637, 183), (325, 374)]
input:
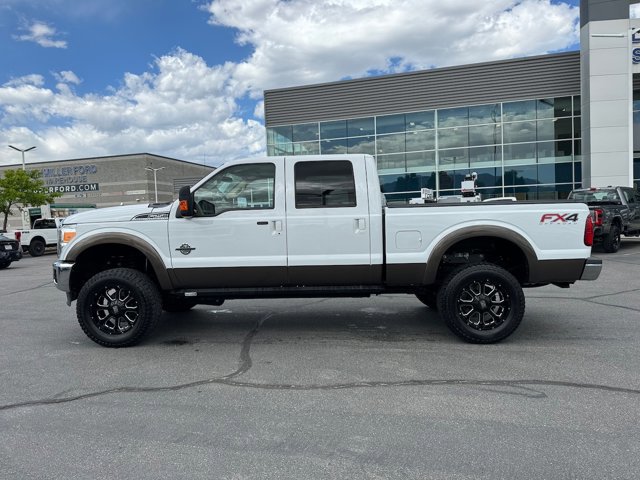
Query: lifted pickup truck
[(315, 226), (43, 234), (615, 211)]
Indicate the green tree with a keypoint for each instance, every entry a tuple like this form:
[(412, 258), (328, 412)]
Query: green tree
[(22, 187)]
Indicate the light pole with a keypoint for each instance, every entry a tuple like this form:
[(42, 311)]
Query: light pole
[(155, 179), (22, 151)]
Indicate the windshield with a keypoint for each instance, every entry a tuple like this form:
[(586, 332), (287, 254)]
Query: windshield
[(600, 195)]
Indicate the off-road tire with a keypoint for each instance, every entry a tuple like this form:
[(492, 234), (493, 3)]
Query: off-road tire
[(611, 241), (118, 307), (36, 248), (481, 303)]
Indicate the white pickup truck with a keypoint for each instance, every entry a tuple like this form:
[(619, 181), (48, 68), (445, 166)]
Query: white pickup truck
[(36, 239), (315, 226)]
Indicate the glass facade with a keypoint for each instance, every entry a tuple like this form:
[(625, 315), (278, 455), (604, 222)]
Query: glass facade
[(636, 139), (529, 149)]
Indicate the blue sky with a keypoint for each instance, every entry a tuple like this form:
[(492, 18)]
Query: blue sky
[(184, 78)]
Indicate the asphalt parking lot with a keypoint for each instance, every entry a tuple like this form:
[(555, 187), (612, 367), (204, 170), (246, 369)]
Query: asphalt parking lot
[(330, 388)]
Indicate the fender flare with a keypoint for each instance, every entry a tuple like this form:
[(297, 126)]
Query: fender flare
[(124, 239), (433, 262)]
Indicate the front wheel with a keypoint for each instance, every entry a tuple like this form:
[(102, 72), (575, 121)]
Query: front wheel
[(482, 303), (118, 307), (5, 264)]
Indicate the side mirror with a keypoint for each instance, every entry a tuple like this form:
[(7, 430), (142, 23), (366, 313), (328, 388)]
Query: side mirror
[(185, 198)]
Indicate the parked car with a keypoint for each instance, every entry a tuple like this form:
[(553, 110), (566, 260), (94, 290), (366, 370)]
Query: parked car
[(42, 235), (615, 211), (10, 251)]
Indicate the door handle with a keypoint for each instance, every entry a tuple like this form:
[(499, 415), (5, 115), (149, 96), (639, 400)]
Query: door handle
[(263, 223), (360, 224)]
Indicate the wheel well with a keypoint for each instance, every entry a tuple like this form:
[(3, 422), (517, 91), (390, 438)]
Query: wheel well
[(106, 256), (37, 238), (496, 250)]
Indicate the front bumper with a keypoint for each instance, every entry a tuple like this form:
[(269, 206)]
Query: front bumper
[(592, 269), (62, 275)]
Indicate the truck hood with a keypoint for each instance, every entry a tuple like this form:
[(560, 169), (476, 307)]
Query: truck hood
[(125, 213)]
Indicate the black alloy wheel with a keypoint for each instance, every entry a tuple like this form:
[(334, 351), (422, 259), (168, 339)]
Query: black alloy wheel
[(482, 303), (118, 307), (612, 241)]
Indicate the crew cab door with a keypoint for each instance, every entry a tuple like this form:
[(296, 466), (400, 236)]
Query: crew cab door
[(328, 227), (237, 236)]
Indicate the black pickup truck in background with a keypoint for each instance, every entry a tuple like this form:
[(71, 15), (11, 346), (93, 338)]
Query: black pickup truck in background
[(615, 212)]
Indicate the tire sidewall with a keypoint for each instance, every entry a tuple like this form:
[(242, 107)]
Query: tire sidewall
[(36, 248), (140, 287), (504, 280)]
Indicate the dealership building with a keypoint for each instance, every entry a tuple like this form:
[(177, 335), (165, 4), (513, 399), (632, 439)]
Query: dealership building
[(109, 181), (533, 128)]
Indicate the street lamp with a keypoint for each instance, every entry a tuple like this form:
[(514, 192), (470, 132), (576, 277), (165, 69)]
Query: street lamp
[(155, 178), (22, 151)]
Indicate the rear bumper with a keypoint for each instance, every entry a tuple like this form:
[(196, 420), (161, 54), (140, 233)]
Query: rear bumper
[(592, 269), (10, 255)]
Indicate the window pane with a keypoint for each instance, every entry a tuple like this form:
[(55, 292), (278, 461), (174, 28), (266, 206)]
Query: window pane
[(453, 117), (577, 150), (337, 129), (522, 193), (576, 105), (360, 126), (327, 184), (421, 161), (519, 132), (238, 187), (555, 173), (409, 182), (525, 110), (421, 140), (305, 132), (390, 123), (577, 127), (420, 120), (484, 135), (489, 177), (450, 180), (393, 143), (281, 134), (520, 153), (333, 146), (391, 163), (484, 114), (554, 192), (551, 152), (453, 159), (485, 156), (521, 175), (554, 129), (577, 173), (282, 149), (453, 137), (554, 107), (306, 148), (361, 145)]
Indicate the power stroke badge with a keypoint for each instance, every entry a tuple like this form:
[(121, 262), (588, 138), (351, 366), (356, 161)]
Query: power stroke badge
[(185, 249)]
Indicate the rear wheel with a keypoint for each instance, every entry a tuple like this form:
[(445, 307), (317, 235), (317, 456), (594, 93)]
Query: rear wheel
[(611, 242), (118, 307), (36, 248), (482, 303)]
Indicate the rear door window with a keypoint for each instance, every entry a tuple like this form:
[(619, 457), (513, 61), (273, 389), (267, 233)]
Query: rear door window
[(327, 184)]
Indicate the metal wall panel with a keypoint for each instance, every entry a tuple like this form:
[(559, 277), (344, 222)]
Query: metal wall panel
[(523, 78)]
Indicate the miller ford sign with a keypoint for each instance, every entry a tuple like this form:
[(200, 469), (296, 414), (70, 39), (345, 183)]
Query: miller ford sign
[(71, 179)]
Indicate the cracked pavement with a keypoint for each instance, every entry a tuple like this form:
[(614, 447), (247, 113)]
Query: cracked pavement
[(324, 388)]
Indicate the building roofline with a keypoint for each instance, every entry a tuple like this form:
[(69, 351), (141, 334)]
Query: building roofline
[(451, 68), (107, 157)]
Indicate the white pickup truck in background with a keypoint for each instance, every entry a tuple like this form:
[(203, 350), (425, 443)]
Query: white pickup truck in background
[(36, 239), (315, 226)]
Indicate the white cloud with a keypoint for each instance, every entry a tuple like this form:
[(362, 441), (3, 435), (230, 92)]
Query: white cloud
[(308, 41), (67, 76), (181, 107), (43, 35)]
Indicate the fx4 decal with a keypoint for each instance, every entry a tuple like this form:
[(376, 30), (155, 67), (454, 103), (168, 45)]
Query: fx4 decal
[(561, 218)]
